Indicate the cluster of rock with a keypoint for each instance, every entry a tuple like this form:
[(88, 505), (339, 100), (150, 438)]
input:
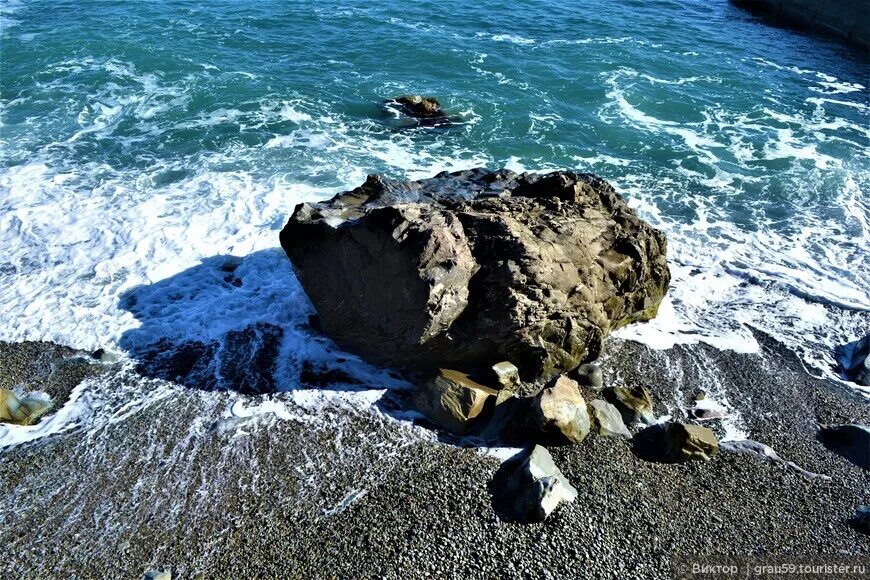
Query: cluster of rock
[(557, 414), (472, 267), (424, 111)]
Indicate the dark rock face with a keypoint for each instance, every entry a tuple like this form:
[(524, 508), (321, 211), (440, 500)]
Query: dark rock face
[(470, 268), (854, 359)]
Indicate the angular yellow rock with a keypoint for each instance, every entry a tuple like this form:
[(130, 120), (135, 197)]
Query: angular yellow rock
[(24, 411), (452, 400)]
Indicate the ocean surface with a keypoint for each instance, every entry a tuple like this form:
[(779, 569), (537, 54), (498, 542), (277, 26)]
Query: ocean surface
[(144, 143)]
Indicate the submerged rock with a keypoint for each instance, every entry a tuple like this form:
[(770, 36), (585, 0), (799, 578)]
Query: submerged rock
[(634, 403), (607, 421), (474, 267), (452, 400), (21, 411), (538, 487), (850, 441)]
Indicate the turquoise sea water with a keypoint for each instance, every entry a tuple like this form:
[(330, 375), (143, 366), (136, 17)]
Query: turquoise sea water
[(139, 138)]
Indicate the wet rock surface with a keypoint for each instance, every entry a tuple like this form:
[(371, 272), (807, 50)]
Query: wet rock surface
[(850, 441), (467, 269), (854, 360)]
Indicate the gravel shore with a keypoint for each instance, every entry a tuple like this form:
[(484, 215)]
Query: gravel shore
[(308, 484)]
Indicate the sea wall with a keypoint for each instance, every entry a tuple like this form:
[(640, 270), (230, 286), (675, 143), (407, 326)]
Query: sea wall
[(847, 19)]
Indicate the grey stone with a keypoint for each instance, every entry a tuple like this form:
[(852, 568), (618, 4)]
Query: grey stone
[(538, 487), (592, 375), (606, 420)]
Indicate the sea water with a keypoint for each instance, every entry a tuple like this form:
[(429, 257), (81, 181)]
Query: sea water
[(146, 145)]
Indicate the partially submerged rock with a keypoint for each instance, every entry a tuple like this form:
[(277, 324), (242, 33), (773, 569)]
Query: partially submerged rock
[(634, 403), (861, 520), (473, 267), (849, 441), (559, 412), (765, 452), (419, 107), (452, 400), (607, 421), (538, 487), (21, 411)]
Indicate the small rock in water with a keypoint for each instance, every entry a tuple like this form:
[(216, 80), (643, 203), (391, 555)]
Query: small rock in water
[(706, 413), (607, 421), (849, 441), (634, 403), (156, 575), (538, 487), (419, 107), (591, 374), (24, 411), (560, 410), (452, 400)]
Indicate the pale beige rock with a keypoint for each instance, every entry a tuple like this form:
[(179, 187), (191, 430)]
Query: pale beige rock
[(561, 410), (24, 411)]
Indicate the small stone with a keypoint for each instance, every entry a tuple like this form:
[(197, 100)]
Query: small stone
[(156, 575), (23, 411), (592, 375), (561, 410), (538, 487), (606, 420), (634, 403), (452, 400), (507, 375)]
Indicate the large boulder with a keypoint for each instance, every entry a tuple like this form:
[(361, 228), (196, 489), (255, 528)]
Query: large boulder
[(675, 442), (470, 268), (634, 403)]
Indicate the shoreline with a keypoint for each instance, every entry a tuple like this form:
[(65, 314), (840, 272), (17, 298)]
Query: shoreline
[(178, 479)]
